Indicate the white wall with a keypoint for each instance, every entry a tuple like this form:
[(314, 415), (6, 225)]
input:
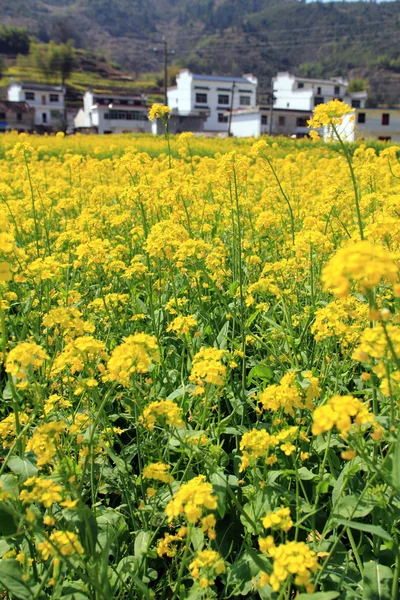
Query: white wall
[(372, 128), (246, 125), (41, 103), (183, 97)]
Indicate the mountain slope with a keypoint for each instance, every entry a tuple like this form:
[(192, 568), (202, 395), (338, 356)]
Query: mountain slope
[(263, 36)]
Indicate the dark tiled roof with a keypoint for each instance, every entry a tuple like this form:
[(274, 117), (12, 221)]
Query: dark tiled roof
[(40, 87), (221, 78), (17, 107)]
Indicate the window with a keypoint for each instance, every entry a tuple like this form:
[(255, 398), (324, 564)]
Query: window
[(385, 118), (318, 100), (19, 116), (356, 103), (281, 121), (264, 120), (361, 118), (125, 115), (222, 118), (223, 99), (2, 115), (244, 100), (300, 85), (301, 122), (44, 99), (55, 114), (44, 118), (336, 90), (201, 98), (29, 96), (319, 92), (53, 97)]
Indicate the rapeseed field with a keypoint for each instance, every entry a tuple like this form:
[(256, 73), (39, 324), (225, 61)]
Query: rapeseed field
[(200, 350)]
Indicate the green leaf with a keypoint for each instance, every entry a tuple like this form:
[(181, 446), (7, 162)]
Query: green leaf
[(7, 392), (11, 580), (396, 467), (351, 507), (222, 337), (305, 474), (141, 544), (259, 372), (219, 483), (377, 581), (22, 467), (319, 596), (374, 529)]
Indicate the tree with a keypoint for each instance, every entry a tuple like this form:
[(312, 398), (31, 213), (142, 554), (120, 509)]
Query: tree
[(13, 40), (357, 85), (62, 59), (54, 60)]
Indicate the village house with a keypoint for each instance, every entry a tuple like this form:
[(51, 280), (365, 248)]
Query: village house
[(47, 101), (113, 112), (16, 116), (210, 96), (380, 123), (302, 93), (294, 101)]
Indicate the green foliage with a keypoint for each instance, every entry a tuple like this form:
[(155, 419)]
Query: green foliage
[(357, 85), (13, 40), (53, 60)]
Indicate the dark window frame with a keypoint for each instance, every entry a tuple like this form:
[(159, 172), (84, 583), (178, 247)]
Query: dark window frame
[(199, 98)]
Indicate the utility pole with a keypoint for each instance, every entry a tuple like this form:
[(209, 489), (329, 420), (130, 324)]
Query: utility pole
[(231, 109), (271, 106), (165, 70), (166, 54)]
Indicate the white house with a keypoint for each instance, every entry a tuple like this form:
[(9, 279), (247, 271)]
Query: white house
[(379, 123), (113, 112), (213, 96), (302, 93), (254, 122), (46, 100)]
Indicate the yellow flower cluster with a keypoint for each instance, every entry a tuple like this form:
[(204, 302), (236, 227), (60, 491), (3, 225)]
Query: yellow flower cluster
[(286, 395), (135, 355), (164, 411), (279, 519), (60, 543), (206, 566), (158, 471), (362, 264), (257, 443), (23, 356), (290, 559), (182, 325), (191, 500), (339, 412), (159, 111), (330, 113), (207, 367)]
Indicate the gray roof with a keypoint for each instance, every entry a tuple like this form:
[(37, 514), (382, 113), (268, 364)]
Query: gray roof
[(221, 78), (40, 87)]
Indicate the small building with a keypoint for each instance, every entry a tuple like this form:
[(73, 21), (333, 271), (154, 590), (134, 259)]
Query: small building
[(113, 112), (212, 96), (378, 123), (177, 123), (303, 93), (256, 121), (18, 116), (47, 102)]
